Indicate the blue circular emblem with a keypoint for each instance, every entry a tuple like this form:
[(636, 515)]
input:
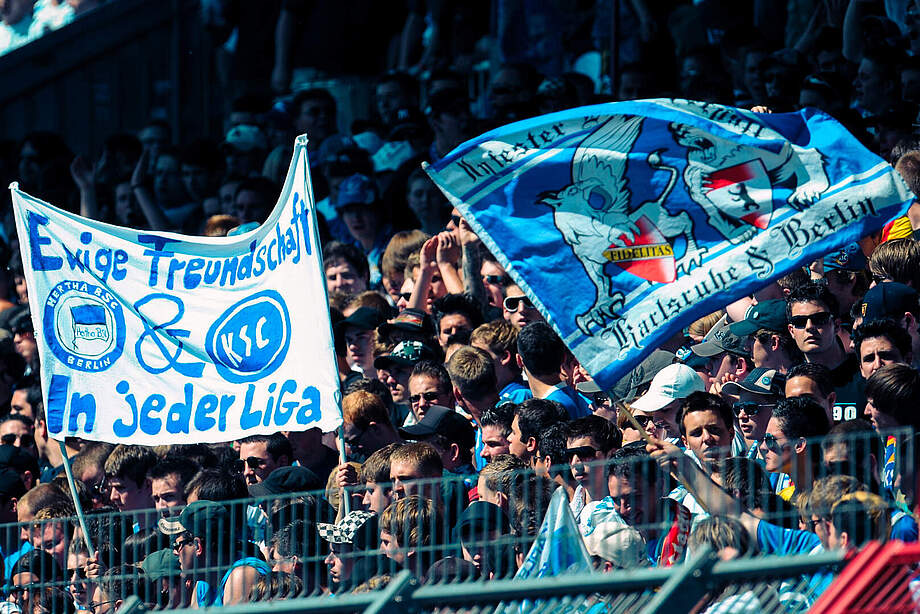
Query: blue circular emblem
[(84, 326), (251, 338)]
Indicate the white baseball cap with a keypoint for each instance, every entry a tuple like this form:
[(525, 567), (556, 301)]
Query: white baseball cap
[(674, 382)]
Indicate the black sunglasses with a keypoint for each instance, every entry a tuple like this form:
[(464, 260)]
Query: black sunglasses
[(773, 444), (456, 220), (512, 303), (254, 462), (822, 318), (583, 452), (24, 440), (750, 408), (496, 280), (428, 396)]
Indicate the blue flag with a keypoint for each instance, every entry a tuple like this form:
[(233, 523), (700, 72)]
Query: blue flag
[(624, 222)]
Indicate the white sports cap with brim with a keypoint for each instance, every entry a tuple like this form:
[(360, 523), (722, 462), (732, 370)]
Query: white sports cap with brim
[(674, 382)]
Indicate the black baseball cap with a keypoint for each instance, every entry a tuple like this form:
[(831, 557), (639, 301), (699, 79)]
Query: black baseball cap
[(364, 318), (439, 420), (287, 480), (889, 299)]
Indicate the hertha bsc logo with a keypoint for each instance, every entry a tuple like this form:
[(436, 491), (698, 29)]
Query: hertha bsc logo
[(84, 326)]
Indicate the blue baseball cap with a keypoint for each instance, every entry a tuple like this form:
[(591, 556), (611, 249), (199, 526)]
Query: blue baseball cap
[(850, 257), (356, 190)]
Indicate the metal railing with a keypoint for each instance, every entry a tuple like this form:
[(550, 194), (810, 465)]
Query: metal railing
[(49, 567)]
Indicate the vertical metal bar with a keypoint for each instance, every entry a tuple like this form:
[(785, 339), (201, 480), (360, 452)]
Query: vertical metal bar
[(686, 587)]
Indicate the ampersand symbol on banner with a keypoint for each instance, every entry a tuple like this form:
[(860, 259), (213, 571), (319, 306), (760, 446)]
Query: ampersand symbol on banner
[(163, 337)]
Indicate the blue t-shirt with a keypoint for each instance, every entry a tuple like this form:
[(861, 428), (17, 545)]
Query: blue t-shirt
[(903, 527), (209, 597), (10, 560), (573, 402), (516, 392), (774, 539)]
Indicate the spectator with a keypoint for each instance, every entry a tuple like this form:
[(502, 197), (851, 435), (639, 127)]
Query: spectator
[(375, 472), (768, 341), (295, 551), (410, 533), (209, 551), (589, 442), (429, 385), (494, 484), (360, 207), (757, 395), (530, 418), (896, 301), (495, 428), (262, 454), (416, 469), (540, 355), (518, 308), (346, 268), (359, 332), (665, 395), (451, 434), (879, 343), (455, 314), (168, 479), (788, 445), (812, 313), (349, 540), (635, 490), (813, 381), (126, 477), (394, 369), (499, 339)]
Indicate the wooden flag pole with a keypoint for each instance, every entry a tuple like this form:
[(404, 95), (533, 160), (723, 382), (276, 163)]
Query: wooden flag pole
[(76, 500)]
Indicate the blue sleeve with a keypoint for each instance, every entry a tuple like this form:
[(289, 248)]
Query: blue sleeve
[(905, 529), (773, 539)]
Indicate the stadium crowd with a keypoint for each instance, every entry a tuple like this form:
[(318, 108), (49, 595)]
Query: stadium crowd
[(781, 424)]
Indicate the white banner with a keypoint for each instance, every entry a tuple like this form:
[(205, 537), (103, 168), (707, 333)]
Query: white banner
[(159, 338)]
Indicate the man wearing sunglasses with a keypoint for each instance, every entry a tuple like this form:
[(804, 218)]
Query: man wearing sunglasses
[(210, 553), (811, 310), (766, 332), (518, 309), (18, 430), (262, 454), (429, 385), (589, 442), (786, 447), (726, 355), (757, 395)]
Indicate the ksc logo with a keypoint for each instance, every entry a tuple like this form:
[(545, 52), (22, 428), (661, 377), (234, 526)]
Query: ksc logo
[(251, 338), (84, 326)]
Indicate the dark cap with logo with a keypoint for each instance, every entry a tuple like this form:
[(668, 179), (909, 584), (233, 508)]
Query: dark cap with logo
[(768, 315), (413, 321), (405, 354), (205, 519), (759, 381), (719, 339), (888, 300)]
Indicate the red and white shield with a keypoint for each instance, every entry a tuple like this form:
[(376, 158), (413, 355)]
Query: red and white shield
[(649, 256), (742, 191)]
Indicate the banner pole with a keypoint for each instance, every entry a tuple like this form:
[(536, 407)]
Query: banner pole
[(76, 500), (344, 502)]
